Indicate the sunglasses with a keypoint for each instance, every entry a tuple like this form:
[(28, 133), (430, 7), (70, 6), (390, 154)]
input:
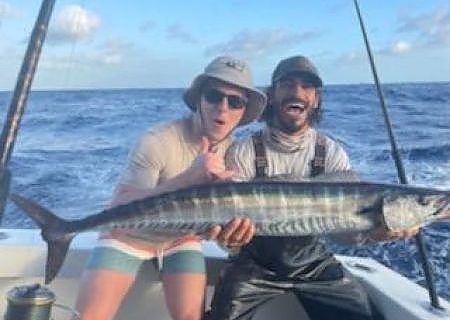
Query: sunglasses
[(215, 96)]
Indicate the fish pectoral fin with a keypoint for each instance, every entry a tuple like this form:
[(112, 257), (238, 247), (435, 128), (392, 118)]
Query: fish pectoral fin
[(374, 212), (375, 208), (365, 210)]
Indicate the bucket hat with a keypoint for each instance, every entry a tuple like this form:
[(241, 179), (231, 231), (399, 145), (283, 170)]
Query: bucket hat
[(231, 71)]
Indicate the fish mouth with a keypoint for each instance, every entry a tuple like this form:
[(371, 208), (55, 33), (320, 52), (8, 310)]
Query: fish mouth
[(444, 208)]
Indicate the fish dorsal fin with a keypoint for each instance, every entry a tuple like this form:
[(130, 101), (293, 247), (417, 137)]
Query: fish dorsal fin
[(283, 178), (340, 176)]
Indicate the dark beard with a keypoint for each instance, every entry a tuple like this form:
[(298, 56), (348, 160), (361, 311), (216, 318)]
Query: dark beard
[(286, 126), (289, 127)]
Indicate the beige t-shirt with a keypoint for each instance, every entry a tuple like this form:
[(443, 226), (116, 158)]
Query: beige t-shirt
[(241, 155), (163, 153)]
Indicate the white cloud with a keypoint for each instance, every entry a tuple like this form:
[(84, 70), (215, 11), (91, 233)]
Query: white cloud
[(72, 24), (397, 48), (55, 62), (256, 43), (356, 57), (351, 58), (112, 52), (177, 32), (431, 28), (401, 47)]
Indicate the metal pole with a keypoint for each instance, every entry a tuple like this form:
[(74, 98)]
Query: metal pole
[(400, 169), (20, 96)]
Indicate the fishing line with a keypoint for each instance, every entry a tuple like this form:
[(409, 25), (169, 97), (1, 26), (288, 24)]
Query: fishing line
[(70, 65), (70, 59)]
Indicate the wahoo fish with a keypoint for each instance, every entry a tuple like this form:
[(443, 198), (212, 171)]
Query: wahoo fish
[(277, 208)]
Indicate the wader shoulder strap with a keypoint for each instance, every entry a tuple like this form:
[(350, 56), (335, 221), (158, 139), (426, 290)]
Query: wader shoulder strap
[(260, 154), (318, 163)]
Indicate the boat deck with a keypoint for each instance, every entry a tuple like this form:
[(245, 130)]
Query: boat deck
[(24, 255)]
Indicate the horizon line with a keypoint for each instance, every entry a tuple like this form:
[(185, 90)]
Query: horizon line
[(2, 90)]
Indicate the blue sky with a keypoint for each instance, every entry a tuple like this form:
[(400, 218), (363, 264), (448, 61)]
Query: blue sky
[(142, 44)]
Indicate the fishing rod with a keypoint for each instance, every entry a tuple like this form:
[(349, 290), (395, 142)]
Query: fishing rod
[(20, 96), (434, 299)]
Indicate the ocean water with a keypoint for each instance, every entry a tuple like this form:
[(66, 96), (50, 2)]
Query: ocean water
[(73, 145)]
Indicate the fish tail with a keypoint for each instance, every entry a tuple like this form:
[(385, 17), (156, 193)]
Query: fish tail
[(54, 231)]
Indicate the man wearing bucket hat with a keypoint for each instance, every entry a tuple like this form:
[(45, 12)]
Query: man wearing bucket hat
[(184, 152), (268, 267)]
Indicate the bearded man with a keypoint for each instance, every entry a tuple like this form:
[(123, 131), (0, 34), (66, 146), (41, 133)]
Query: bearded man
[(270, 266)]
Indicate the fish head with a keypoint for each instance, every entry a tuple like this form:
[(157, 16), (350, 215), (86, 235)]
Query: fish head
[(405, 211)]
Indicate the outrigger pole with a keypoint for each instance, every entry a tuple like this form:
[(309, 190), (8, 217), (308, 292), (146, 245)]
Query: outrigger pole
[(20, 96), (434, 300)]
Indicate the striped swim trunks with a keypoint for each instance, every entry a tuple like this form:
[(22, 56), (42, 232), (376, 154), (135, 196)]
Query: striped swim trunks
[(127, 255)]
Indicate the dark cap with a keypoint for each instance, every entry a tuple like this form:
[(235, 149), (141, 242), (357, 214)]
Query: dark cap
[(297, 65)]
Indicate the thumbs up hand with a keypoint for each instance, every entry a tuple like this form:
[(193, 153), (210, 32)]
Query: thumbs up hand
[(209, 165)]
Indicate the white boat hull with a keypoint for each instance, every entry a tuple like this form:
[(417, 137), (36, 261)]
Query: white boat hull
[(23, 259)]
